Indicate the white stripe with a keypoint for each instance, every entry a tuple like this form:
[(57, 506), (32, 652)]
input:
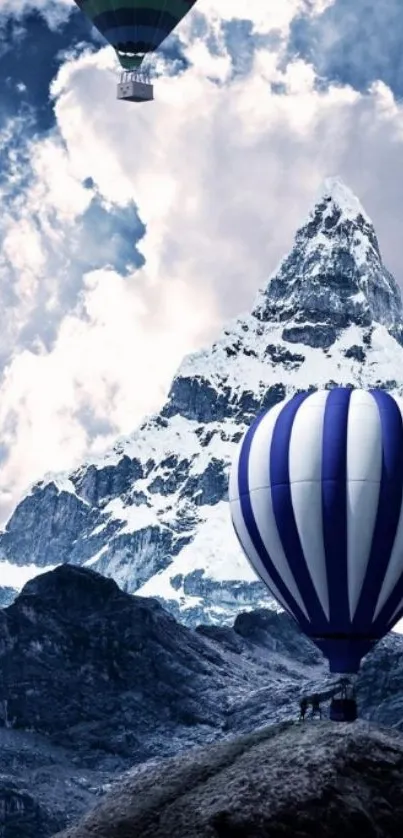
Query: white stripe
[(251, 554), (259, 454), (233, 486), (305, 467), (364, 469), (261, 500), (395, 566), (233, 490)]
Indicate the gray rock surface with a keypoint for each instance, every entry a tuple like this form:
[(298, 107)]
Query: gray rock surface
[(116, 680), (94, 681), (304, 780), (41, 788)]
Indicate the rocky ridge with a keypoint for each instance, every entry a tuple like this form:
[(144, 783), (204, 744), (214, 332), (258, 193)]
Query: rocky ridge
[(311, 781), (112, 683)]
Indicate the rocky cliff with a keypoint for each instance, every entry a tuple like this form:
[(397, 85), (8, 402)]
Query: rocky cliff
[(94, 681)]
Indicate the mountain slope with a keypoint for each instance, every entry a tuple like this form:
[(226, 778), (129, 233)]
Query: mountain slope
[(94, 681), (153, 512), (308, 780), (117, 680)]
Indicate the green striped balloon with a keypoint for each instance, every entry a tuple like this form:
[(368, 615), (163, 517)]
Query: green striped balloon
[(135, 27)]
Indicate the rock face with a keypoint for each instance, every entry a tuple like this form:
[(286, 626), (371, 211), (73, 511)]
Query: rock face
[(90, 651), (116, 680), (22, 815), (307, 780), (153, 513), (111, 681), (42, 788)]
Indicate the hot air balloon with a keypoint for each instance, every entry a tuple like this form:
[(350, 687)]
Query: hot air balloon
[(316, 496), (135, 28)]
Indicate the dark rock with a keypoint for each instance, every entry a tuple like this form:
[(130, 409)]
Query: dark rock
[(196, 398), (45, 525), (277, 633), (174, 472), (21, 816), (357, 353), (209, 487), (310, 781), (110, 681), (319, 336), (272, 396), (281, 355), (41, 789), (109, 676), (95, 485)]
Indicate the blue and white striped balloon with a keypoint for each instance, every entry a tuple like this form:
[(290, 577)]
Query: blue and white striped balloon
[(316, 495)]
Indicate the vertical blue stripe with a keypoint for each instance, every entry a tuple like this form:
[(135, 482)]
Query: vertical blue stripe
[(334, 505), (251, 526), (255, 569), (388, 513), (284, 512), (344, 654)]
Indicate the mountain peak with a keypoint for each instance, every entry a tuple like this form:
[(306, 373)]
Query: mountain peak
[(333, 275), (335, 191), (153, 512)]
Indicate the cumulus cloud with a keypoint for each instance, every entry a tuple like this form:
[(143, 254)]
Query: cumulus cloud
[(106, 368), (233, 165), (353, 43), (212, 179)]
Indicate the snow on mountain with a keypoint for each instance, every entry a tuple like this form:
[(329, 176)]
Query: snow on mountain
[(153, 512)]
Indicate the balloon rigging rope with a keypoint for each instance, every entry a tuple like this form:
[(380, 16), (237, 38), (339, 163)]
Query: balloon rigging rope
[(163, 10), (114, 9), (134, 23)]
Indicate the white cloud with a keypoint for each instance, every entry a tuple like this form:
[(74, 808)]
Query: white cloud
[(264, 16), (113, 357), (223, 173)]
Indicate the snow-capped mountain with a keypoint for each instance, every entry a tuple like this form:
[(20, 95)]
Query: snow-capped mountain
[(153, 512)]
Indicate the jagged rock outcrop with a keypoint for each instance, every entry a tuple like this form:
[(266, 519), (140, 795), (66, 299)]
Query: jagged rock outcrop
[(116, 680), (307, 780), (153, 513), (111, 681), (21, 816)]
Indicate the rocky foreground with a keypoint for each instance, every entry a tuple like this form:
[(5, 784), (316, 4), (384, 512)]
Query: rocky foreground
[(95, 683), (301, 780)]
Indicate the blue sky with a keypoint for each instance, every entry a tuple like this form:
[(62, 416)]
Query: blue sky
[(30, 56), (107, 207)]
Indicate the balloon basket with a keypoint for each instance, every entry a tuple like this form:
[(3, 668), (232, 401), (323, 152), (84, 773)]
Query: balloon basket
[(343, 710), (135, 87)]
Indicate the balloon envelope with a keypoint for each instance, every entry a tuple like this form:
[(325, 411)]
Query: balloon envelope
[(135, 27), (316, 494)]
